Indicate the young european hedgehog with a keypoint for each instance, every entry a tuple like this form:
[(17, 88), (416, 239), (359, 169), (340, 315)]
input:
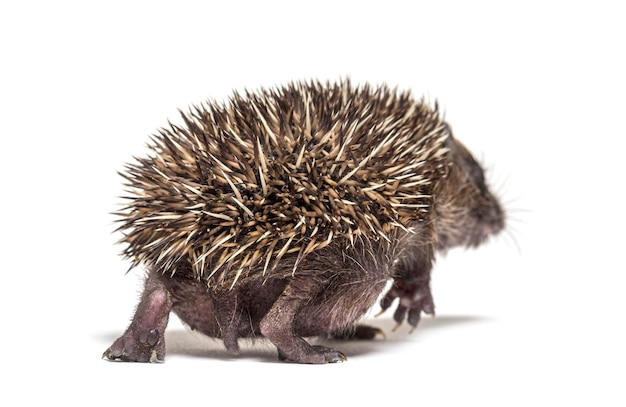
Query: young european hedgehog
[(284, 213)]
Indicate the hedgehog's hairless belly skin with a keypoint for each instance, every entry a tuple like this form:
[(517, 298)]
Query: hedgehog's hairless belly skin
[(284, 215)]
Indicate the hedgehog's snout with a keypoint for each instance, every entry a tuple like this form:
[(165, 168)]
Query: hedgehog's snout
[(492, 228)]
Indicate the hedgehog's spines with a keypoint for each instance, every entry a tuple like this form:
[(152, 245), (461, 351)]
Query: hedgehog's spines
[(283, 170)]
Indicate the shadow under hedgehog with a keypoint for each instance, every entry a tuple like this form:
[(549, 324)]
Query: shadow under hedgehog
[(284, 214)]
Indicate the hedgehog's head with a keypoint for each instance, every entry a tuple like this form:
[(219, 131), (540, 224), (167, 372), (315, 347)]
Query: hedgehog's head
[(467, 212)]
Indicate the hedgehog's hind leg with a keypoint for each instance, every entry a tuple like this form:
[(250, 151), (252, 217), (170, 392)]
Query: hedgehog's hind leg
[(144, 340), (278, 326)]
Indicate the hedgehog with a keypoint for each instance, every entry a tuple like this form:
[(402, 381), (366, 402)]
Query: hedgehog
[(289, 212)]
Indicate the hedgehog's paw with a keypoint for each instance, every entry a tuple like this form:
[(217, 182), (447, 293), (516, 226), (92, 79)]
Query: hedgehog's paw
[(313, 355), (414, 297), (141, 346), (367, 332), (359, 332)]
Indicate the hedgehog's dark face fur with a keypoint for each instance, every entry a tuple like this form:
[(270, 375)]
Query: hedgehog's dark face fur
[(467, 213)]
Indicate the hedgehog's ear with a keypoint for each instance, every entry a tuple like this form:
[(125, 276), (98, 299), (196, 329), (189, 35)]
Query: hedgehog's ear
[(464, 159), (447, 130)]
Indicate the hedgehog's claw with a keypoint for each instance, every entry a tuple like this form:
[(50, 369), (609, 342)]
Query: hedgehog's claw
[(415, 298)]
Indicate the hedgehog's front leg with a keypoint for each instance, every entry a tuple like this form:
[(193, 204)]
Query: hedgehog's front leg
[(144, 340), (278, 325), (411, 285)]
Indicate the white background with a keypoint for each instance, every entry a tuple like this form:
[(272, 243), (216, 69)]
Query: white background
[(535, 89)]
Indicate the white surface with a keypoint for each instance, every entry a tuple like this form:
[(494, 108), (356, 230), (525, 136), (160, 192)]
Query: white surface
[(536, 89)]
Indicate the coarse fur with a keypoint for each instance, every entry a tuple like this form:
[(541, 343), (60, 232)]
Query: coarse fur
[(284, 213)]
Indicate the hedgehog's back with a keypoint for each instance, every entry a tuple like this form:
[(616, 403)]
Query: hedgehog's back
[(282, 171)]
